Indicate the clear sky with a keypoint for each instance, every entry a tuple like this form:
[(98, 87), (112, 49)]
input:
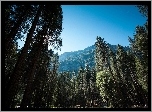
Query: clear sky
[(83, 23)]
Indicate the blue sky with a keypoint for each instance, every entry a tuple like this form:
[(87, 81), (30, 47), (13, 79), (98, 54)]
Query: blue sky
[(83, 23)]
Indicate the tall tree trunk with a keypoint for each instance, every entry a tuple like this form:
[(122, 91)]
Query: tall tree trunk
[(28, 91), (14, 30), (12, 88)]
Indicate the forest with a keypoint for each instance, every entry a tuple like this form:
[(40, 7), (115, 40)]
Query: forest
[(118, 79)]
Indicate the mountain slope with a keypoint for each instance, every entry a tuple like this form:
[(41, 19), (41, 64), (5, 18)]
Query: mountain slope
[(72, 61)]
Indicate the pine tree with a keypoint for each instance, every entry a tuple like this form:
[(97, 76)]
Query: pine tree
[(16, 75), (139, 46), (50, 28)]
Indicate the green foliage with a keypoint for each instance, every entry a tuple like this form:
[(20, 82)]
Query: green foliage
[(143, 9), (103, 77), (118, 78), (139, 45), (22, 77), (123, 76)]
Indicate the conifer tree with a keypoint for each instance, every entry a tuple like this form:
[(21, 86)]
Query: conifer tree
[(51, 29), (139, 46)]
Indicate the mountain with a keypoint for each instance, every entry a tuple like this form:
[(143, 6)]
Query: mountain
[(72, 61)]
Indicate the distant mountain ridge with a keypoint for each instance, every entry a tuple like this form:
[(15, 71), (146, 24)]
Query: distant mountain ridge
[(72, 61), (73, 53)]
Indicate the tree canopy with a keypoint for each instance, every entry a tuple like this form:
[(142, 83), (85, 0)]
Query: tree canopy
[(102, 77)]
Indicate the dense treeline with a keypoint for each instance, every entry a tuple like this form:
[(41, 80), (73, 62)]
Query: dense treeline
[(71, 61), (123, 76), (118, 80)]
